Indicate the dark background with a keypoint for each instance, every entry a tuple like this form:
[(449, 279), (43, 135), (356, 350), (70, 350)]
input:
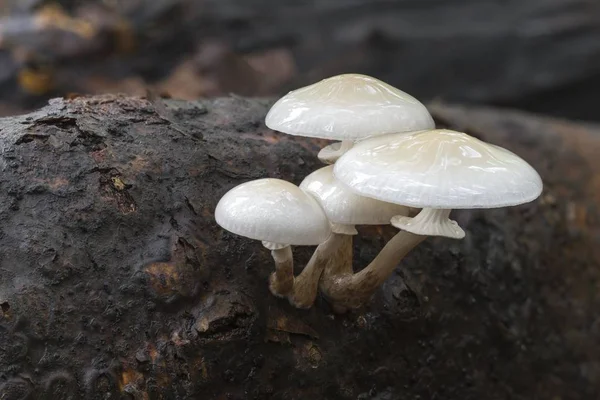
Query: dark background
[(539, 55)]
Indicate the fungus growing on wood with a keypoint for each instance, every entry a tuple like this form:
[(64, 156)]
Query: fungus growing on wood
[(434, 170), (279, 214), (389, 164), (349, 108), (344, 209)]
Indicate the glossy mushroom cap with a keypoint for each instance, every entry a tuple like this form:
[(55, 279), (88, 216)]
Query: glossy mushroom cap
[(273, 210), (348, 107), (345, 208), (438, 169)]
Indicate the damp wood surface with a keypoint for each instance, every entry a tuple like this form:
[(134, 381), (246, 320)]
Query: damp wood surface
[(116, 282)]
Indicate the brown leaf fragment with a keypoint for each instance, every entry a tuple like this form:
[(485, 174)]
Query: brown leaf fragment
[(285, 323)]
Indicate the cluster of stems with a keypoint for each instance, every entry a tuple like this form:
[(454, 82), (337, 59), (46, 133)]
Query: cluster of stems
[(330, 270)]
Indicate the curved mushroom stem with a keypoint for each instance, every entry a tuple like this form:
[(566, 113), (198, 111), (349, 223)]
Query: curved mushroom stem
[(347, 290), (339, 266), (331, 153), (281, 282), (334, 251)]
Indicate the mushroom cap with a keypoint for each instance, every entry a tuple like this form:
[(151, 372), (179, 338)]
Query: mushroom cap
[(438, 169), (273, 210), (348, 107), (344, 207)]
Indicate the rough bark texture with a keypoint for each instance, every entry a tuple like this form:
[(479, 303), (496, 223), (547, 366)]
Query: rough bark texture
[(115, 281)]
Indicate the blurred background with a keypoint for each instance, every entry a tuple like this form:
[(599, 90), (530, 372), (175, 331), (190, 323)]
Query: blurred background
[(538, 55)]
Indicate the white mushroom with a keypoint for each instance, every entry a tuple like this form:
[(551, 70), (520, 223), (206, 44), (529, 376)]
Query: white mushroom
[(278, 213), (344, 209), (435, 170), (349, 108)]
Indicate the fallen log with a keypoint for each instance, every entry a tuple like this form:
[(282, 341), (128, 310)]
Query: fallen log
[(115, 281)]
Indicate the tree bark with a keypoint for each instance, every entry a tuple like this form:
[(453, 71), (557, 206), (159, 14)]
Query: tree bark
[(115, 281)]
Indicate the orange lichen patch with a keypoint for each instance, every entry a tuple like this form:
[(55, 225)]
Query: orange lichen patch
[(163, 277), (180, 275), (116, 190), (118, 183), (130, 377), (53, 16)]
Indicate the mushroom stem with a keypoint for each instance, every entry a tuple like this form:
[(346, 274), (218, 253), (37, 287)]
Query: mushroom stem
[(335, 251), (345, 145), (331, 153), (338, 268), (281, 282), (347, 290)]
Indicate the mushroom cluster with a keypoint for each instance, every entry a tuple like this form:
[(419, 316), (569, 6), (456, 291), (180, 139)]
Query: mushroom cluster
[(390, 161)]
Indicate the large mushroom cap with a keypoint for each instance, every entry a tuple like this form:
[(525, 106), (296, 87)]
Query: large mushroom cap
[(344, 207), (273, 210), (348, 107), (438, 169)]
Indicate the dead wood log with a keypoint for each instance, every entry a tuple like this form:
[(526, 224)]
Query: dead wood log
[(115, 281)]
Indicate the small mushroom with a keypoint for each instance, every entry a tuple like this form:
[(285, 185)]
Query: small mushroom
[(344, 209), (349, 108), (434, 170), (279, 214)]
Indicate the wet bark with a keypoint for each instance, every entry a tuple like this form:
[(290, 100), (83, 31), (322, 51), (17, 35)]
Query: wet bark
[(115, 281)]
